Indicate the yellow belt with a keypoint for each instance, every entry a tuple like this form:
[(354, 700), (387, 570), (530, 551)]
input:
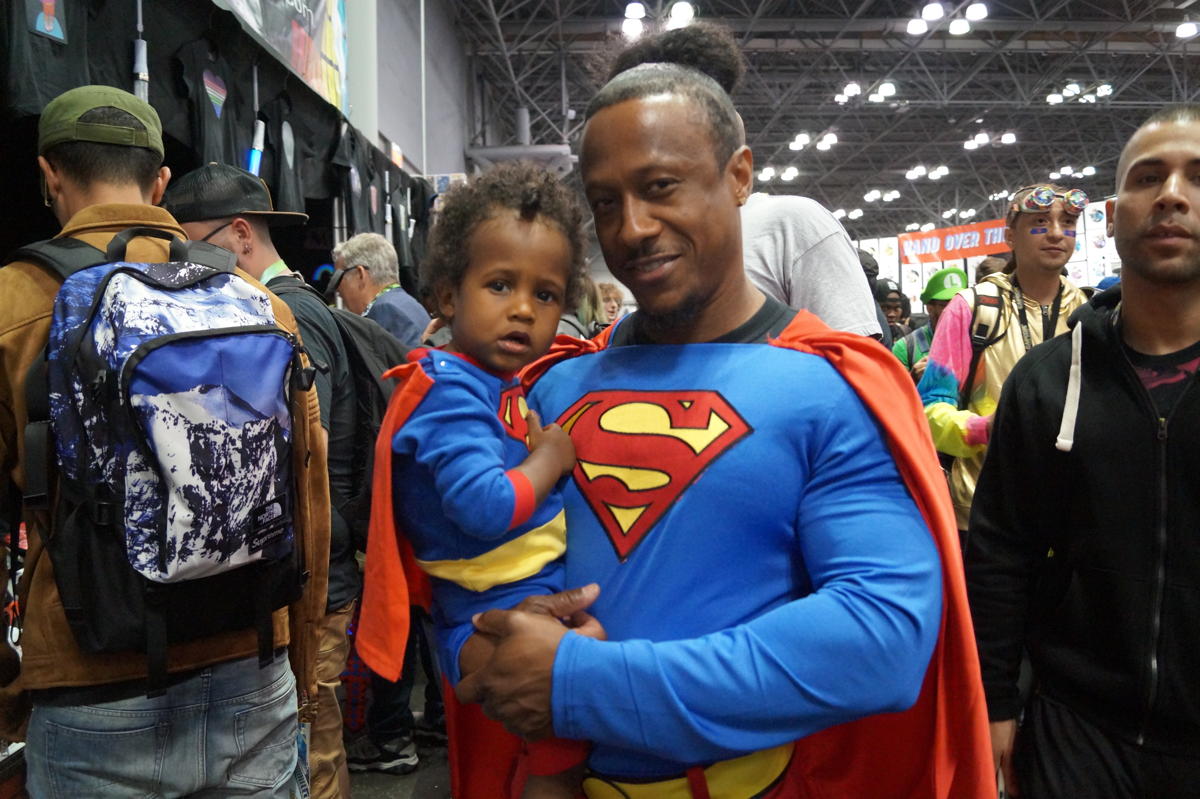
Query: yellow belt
[(739, 778)]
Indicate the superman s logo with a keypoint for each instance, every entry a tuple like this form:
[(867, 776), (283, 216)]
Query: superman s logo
[(638, 451), (512, 414)]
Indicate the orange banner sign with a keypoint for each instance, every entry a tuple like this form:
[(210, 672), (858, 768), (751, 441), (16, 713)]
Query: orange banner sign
[(951, 243)]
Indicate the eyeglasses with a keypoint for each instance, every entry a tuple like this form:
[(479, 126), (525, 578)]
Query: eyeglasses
[(336, 279), (216, 230), (1041, 197)]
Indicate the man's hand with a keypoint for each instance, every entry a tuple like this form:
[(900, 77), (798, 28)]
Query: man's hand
[(515, 685), (918, 369), (565, 606), (552, 439), (1004, 733)]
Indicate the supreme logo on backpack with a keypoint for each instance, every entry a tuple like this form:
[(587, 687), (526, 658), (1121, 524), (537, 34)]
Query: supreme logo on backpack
[(170, 403)]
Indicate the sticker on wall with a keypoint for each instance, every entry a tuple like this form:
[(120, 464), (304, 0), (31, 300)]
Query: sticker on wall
[(45, 19)]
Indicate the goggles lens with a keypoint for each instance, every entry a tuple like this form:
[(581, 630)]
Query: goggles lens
[(1040, 198)]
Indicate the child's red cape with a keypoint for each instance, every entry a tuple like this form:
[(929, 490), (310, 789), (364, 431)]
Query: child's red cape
[(937, 749)]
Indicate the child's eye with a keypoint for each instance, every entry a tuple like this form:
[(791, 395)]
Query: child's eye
[(547, 296), (498, 286)]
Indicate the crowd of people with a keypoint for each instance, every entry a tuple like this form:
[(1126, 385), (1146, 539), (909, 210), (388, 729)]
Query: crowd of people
[(717, 542)]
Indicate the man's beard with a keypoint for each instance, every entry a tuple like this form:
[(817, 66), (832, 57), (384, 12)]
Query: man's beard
[(677, 318)]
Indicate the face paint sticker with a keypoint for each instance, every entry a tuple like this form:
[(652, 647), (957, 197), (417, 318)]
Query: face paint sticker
[(1037, 231), (1069, 233)]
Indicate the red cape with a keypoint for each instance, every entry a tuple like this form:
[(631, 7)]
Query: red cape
[(937, 749)]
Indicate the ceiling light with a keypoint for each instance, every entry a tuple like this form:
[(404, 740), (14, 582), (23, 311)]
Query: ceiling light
[(852, 89), (1055, 176), (935, 175), (788, 176), (966, 213), (1088, 98), (840, 99), (795, 145), (928, 226), (889, 197), (635, 11), (911, 226), (1104, 90), (1088, 171), (1071, 89), (950, 213), (1066, 170), (982, 138), (803, 138), (766, 174), (943, 169), (1186, 30), (958, 27), (823, 145), (917, 27), (1008, 138), (839, 213), (919, 170), (977, 11), (1054, 98), (830, 138), (875, 97), (887, 88), (632, 28), (932, 11), (970, 144), (681, 14), (855, 214), (911, 174), (872, 195)]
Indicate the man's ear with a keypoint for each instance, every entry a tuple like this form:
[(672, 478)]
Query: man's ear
[(51, 176), (159, 187), (739, 170), (243, 232)]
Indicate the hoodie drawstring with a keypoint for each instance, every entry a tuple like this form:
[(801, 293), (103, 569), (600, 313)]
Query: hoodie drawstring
[(1066, 432)]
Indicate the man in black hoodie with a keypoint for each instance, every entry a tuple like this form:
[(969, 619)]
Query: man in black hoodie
[(1083, 545)]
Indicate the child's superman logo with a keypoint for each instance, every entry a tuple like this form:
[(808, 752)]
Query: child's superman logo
[(638, 451), (512, 414)]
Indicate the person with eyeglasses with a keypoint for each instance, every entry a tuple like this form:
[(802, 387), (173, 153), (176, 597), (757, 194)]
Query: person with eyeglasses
[(1083, 549), (1027, 303), (367, 276)]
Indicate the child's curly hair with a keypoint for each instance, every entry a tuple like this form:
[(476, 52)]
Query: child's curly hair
[(523, 187)]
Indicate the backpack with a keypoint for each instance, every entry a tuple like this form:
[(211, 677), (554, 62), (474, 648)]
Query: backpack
[(985, 316), (166, 390), (372, 350)]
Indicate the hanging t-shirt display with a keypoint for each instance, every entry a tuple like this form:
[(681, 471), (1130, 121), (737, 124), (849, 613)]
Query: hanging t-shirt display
[(45, 52), (211, 104), (354, 156), (420, 207), (398, 182), (282, 155), (377, 190)]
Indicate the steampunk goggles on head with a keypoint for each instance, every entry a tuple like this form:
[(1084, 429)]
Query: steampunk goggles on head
[(1041, 197)]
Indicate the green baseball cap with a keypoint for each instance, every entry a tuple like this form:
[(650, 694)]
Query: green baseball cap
[(60, 120), (944, 284)]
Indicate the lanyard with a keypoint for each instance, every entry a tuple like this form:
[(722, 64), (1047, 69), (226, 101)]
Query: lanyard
[(273, 271), (1049, 325), (388, 287)]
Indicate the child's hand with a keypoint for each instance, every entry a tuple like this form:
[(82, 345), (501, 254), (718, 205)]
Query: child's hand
[(553, 438)]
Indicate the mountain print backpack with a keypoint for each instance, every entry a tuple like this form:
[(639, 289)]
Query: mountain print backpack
[(169, 396)]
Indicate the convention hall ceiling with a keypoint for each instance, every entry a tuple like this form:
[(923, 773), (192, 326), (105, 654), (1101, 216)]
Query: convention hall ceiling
[(1112, 62)]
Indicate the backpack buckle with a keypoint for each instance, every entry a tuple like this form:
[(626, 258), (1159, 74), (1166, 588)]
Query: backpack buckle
[(104, 514)]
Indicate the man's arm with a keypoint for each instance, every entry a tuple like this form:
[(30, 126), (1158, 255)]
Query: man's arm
[(961, 433), (858, 644)]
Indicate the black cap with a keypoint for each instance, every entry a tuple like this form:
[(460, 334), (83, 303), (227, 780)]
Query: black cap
[(218, 191), (885, 286)]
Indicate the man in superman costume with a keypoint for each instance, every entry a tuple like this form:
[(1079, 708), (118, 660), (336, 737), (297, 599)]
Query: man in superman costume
[(759, 501)]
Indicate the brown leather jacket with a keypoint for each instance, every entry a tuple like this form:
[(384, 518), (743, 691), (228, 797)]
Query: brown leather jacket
[(50, 656)]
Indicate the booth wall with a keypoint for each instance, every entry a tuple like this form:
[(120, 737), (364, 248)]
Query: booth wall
[(447, 98)]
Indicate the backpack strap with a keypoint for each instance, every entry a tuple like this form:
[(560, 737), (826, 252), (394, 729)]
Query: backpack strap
[(985, 317), (60, 257)]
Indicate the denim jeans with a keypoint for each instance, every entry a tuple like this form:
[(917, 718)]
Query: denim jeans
[(226, 730)]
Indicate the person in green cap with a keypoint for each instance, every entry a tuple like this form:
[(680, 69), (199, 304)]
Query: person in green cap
[(913, 349), (223, 725)]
